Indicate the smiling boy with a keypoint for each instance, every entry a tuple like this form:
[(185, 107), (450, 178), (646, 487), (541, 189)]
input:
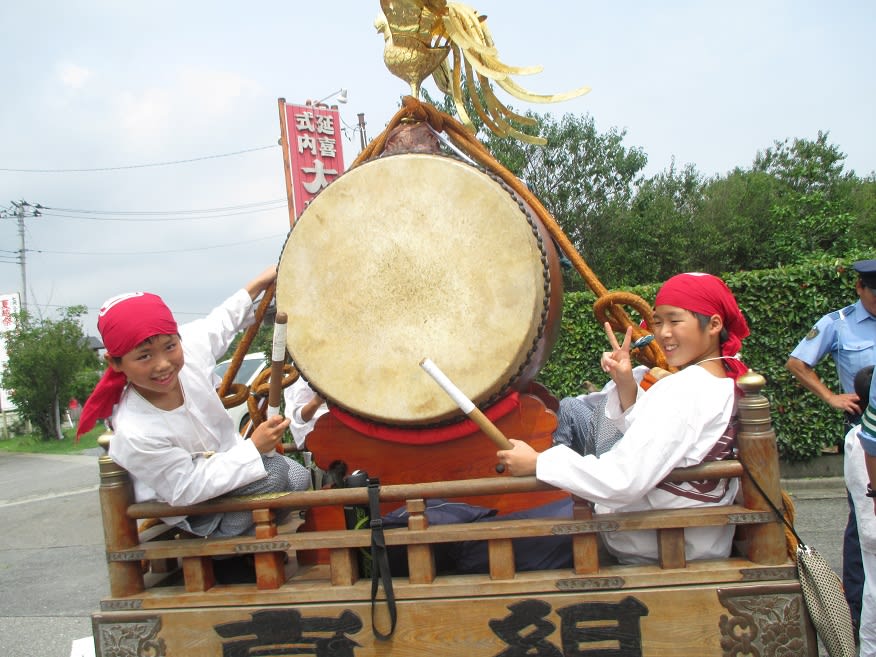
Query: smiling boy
[(171, 432), (680, 421)]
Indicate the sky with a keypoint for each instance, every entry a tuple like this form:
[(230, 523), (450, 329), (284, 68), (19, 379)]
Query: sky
[(98, 92)]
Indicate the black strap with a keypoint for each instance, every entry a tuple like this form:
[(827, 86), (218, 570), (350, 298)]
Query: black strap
[(779, 514), (379, 561)]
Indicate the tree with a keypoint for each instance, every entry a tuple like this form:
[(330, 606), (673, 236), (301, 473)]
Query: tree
[(733, 215), (863, 199), (654, 236), (581, 176), (50, 363), (811, 211)]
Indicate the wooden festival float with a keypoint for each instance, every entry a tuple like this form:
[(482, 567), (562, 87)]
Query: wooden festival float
[(427, 248)]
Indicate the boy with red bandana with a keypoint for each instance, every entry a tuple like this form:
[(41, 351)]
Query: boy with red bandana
[(171, 432), (680, 421)]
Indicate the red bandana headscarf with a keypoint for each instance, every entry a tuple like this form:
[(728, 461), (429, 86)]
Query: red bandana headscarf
[(709, 295), (124, 322)]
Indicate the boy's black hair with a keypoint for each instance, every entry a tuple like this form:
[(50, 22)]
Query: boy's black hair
[(704, 322), (862, 383)]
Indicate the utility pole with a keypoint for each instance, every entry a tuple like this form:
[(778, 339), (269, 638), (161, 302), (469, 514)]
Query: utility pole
[(363, 140), (23, 209)]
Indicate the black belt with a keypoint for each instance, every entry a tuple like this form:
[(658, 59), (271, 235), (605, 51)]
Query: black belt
[(851, 419)]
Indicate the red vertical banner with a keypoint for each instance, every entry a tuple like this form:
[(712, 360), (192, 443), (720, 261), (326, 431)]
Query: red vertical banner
[(316, 155)]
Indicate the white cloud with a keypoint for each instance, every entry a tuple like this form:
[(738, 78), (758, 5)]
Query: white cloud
[(73, 75), (195, 102), (220, 89)]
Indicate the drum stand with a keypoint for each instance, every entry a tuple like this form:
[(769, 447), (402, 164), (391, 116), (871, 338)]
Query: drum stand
[(469, 457)]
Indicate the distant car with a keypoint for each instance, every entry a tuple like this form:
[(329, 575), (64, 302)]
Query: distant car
[(251, 366)]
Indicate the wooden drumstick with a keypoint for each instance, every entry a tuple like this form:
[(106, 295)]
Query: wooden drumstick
[(278, 359), (466, 405)]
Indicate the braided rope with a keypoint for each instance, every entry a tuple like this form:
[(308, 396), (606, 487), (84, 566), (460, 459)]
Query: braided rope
[(232, 393), (790, 513), (260, 389), (244, 344)]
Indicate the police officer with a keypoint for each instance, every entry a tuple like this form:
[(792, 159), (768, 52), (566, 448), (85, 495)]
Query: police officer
[(849, 336)]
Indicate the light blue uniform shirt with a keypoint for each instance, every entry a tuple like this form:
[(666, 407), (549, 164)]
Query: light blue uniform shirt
[(848, 335)]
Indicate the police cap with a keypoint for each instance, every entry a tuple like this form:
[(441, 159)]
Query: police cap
[(867, 271)]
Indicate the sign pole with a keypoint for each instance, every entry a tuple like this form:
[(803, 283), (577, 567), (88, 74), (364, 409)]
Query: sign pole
[(287, 162)]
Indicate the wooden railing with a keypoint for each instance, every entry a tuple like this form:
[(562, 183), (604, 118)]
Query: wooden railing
[(763, 544)]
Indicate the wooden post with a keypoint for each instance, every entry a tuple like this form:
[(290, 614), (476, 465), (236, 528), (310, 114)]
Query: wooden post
[(501, 556), (287, 162), (119, 531), (670, 547), (343, 566), (421, 558), (760, 456), (270, 572), (198, 574), (585, 547)]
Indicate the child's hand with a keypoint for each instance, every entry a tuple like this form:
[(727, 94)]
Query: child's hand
[(269, 433), (520, 460), (619, 366), (257, 285), (311, 407), (617, 363)]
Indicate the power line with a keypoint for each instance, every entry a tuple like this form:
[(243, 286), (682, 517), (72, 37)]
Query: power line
[(166, 212), (140, 166), (278, 206), (131, 253)]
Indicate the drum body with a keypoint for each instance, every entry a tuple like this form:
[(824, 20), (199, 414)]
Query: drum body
[(417, 256)]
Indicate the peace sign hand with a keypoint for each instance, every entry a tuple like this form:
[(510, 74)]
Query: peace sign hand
[(618, 365)]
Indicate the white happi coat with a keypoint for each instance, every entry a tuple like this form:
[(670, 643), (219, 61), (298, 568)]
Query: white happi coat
[(676, 423), (296, 396), (164, 450)]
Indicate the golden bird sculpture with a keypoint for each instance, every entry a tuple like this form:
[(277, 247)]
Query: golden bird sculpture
[(419, 36)]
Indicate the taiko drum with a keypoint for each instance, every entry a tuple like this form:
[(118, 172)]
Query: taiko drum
[(411, 256)]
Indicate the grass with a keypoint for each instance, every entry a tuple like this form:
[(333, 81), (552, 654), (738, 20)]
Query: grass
[(33, 444)]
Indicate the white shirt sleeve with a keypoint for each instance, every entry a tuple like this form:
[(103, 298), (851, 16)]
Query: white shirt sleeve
[(180, 477), (676, 424), (210, 336), (296, 396), (620, 418)]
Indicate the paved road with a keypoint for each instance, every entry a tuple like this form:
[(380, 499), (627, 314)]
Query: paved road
[(53, 573), (52, 567)]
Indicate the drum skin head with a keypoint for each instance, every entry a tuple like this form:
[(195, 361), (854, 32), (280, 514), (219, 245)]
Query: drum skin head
[(408, 257)]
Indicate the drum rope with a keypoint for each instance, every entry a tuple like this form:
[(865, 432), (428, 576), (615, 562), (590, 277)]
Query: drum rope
[(242, 349), (608, 306), (232, 393)]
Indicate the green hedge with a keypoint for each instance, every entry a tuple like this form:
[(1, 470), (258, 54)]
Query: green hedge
[(781, 305)]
